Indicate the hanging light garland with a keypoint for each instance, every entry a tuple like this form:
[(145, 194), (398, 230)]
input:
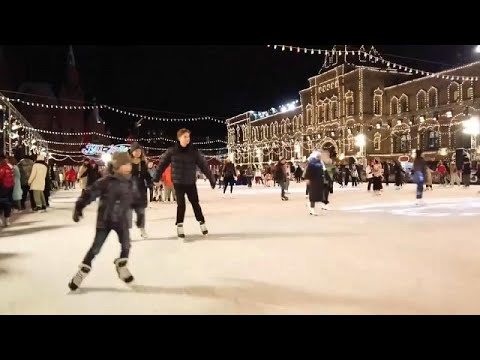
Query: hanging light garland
[(89, 133), (389, 64), (114, 109)]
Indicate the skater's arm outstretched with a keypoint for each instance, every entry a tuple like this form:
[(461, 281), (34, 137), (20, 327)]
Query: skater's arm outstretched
[(89, 195), (203, 165), (165, 161)]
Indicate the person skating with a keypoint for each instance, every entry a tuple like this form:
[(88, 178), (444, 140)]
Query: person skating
[(315, 176), (454, 177), (249, 175), (329, 175), (228, 173), (25, 166), (419, 175), (168, 185), (258, 176), (118, 196), (466, 172), (298, 174), (7, 184), (184, 158), (377, 176), (37, 182), (83, 173), (17, 188), (399, 173), (428, 179), (142, 180), (386, 172), (442, 171), (280, 175), (369, 171), (354, 175), (71, 176)]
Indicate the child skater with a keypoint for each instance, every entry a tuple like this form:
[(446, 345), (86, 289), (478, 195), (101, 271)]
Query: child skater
[(117, 197)]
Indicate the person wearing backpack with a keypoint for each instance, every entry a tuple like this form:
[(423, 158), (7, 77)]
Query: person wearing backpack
[(7, 183)]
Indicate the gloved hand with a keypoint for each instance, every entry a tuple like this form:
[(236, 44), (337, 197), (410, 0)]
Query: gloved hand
[(77, 215)]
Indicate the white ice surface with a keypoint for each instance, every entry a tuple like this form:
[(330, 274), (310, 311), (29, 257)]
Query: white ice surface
[(368, 255)]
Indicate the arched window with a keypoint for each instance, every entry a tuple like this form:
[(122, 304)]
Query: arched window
[(394, 106), (272, 130), (433, 140), (453, 92), (470, 93), (432, 97), (309, 115), (350, 142), (326, 109), (320, 112), (334, 106), (403, 104), (421, 100), (349, 104), (275, 126), (283, 127), (377, 141), (402, 143), (377, 102)]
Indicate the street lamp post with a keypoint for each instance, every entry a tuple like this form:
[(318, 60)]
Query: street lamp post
[(472, 127), (360, 141)]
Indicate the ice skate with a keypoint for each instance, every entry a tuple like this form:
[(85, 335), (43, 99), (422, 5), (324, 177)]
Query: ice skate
[(123, 273), (82, 273), (180, 231), (325, 207), (7, 222), (143, 233), (203, 228), (420, 202), (284, 198), (311, 211)]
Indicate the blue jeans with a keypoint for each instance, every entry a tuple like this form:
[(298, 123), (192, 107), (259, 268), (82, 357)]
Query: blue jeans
[(100, 237), (420, 180)]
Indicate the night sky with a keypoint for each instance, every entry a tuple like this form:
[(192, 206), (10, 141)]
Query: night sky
[(219, 81)]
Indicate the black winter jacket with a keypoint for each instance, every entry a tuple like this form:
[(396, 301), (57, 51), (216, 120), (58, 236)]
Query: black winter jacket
[(117, 197), (184, 162), (141, 180)]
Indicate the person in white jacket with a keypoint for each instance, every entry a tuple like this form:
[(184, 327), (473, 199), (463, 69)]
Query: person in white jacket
[(369, 171), (37, 182)]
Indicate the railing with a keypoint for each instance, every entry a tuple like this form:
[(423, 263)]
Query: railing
[(10, 116)]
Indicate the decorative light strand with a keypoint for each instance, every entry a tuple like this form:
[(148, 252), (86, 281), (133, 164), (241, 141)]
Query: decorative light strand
[(90, 133), (389, 64), (114, 109)]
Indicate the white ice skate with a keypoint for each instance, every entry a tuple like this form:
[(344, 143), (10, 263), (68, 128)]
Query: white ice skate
[(123, 273), (7, 222), (143, 233), (82, 273), (420, 202), (180, 231), (203, 228), (312, 211)]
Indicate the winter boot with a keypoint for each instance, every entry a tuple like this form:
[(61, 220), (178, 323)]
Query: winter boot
[(180, 231), (82, 273), (143, 233), (203, 228), (123, 273)]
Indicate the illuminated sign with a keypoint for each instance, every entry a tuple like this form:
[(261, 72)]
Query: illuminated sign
[(96, 149)]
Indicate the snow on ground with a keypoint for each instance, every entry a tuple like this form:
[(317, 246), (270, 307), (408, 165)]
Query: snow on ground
[(368, 255)]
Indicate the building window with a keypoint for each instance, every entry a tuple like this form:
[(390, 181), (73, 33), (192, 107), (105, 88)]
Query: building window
[(272, 130), (453, 92), (326, 109), (470, 93), (421, 100), (350, 111), (377, 106), (394, 106), (402, 143), (334, 110), (403, 104), (350, 142), (309, 115), (377, 141), (433, 140), (432, 97)]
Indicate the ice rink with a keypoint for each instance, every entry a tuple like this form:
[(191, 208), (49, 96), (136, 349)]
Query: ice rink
[(367, 255)]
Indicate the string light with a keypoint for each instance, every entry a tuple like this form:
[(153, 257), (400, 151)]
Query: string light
[(117, 110), (395, 65), (93, 133)]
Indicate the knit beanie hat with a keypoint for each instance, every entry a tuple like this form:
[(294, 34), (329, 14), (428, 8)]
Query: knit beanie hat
[(119, 159), (135, 146)]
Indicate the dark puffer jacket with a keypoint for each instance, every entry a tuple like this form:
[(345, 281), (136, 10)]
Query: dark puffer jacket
[(25, 166), (142, 180), (117, 196), (184, 162)]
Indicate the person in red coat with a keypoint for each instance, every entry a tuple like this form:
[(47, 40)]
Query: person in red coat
[(71, 178)]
